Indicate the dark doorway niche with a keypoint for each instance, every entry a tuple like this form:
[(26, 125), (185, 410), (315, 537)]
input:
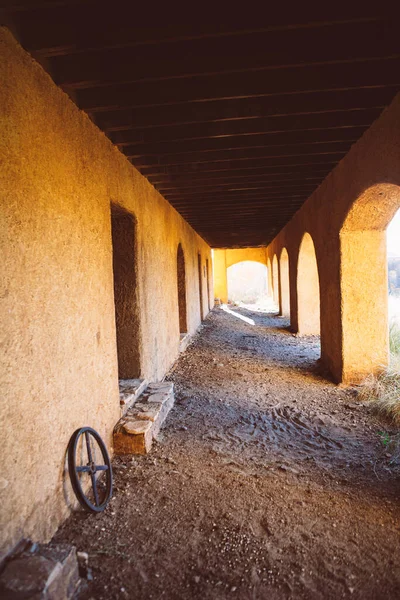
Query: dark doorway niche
[(181, 277), (200, 287), (123, 231)]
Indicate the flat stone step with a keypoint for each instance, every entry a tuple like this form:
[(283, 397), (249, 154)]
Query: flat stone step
[(135, 431), (129, 392)]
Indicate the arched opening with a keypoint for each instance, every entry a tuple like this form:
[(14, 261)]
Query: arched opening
[(364, 282), (181, 279), (269, 278), (275, 280), (200, 287), (284, 304), (208, 284), (393, 259), (247, 283), (308, 298), (123, 232)]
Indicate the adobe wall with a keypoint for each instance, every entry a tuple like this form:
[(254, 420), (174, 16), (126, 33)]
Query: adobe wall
[(58, 176), (351, 272)]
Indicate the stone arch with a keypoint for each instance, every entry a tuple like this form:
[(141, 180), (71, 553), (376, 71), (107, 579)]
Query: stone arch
[(181, 283), (208, 284), (284, 287), (308, 295), (269, 278), (199, 264), (275, 280), (363, 281)]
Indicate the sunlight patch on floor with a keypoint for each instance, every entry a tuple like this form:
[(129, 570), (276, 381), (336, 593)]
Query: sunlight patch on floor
[(235, 314)]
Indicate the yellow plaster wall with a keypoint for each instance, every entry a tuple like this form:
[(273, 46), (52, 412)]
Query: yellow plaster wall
[(58, 175)]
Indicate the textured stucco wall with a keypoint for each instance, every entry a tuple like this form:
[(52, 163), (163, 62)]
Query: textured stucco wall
[(361, 194), (58, 176)]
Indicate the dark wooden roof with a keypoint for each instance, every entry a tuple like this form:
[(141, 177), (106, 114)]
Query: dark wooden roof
[(236, 118)]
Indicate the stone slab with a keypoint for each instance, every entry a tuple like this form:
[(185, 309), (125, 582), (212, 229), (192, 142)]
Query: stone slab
[(129, 392), (150, 413), (136, 427), (161, 386), (158, 398), (132, 437), (135, 432), (50, 572)]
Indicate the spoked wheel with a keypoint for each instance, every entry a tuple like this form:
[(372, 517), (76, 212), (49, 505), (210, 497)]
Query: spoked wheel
[(90, 469)]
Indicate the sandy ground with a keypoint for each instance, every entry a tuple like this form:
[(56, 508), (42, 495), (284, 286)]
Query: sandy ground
[(267, 482)]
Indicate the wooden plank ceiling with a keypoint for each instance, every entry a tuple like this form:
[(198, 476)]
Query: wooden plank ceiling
[(235, 120)]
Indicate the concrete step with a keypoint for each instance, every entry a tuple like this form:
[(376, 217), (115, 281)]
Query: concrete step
[(135, 431), (129, 392)]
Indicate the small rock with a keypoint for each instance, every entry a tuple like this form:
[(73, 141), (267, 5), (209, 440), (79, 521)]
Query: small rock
[(83, 557)]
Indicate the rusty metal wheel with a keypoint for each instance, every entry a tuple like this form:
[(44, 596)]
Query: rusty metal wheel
[(90, 469)]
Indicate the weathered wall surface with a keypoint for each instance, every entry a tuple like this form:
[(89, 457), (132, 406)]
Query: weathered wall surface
[(58, 176), (225, 258), (364, 188)]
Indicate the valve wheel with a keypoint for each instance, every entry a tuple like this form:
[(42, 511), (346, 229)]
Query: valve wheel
[(90, 469)]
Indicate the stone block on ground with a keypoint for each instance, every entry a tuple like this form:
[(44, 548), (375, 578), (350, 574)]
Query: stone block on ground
[(135, 431), (47, 572)]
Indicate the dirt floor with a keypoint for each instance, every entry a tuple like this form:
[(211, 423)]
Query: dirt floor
[(267, 482)]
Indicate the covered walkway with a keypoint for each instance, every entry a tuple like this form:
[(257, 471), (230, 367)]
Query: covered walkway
[(144, 157), (267, 482)]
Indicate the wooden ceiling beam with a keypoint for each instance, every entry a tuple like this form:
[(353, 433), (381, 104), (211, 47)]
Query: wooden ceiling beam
[(269, 139), (245, 183), (291, 152), (264, 170), (293, 80), (268, 163), (51, 29), (246, 127), (236, 54), (221, 111)]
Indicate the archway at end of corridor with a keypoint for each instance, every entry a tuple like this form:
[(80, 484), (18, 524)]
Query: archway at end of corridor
[(248, 284), (308, 296), (364, 281)]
